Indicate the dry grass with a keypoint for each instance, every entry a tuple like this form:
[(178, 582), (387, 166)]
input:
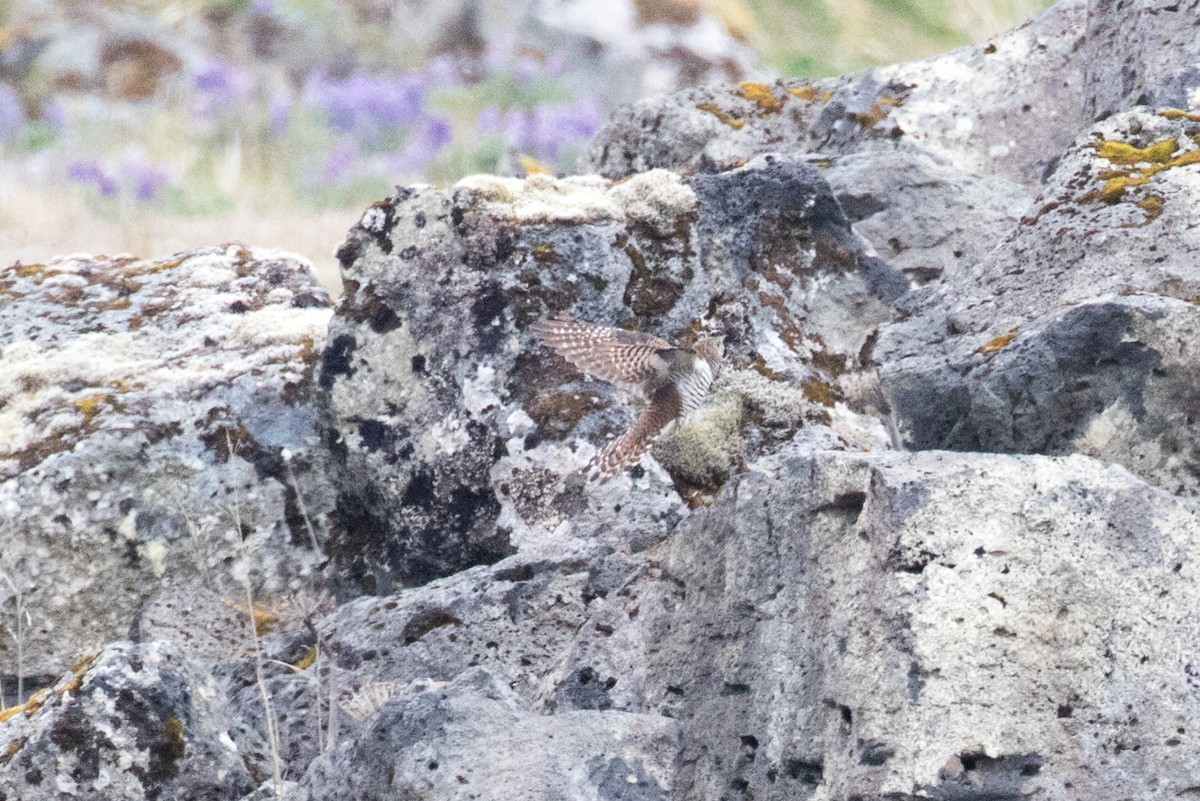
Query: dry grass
[(39, 225)]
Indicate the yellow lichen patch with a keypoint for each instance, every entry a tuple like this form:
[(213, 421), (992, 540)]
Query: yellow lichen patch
[(1178, 114), (309, 658), (1118, 152), (809, 93), (78, 670), (872, 117), (733, 122), (11, 712), (1153, 206), (544, 254), (149, 267), (1162, 155), (998, 343), (762, 95), (90, 406), (262, 615), (532, 166), (27, 270), (888, 100)]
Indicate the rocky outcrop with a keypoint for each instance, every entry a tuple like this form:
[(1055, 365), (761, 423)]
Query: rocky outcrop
[(156, 432), (458, 441), (1076, 334), (1006, 107)]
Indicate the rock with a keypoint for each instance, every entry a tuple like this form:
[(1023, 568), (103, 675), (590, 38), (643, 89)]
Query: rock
[(157, 432), (1006, 107), (1140, 54), (921, 215), (1045, 346), (132, 722), (458, 441), (469, 739), (928, 625)]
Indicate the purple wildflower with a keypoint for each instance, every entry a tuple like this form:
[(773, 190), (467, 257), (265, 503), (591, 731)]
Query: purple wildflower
[(220, 88), (147, 179), (91, 172), (280, 114), (54, 114), (340, 161), (12, 116), (423, 146), (369, 106), (543, 131), (526, 69)]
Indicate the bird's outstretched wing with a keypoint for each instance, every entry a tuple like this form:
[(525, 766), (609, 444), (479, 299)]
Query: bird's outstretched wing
[(627, 449), (625, 358)]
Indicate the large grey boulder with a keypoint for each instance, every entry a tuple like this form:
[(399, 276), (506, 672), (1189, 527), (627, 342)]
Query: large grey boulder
[(156, 430), (1077, 333), (834, 625), (929, 625), (458, 441)]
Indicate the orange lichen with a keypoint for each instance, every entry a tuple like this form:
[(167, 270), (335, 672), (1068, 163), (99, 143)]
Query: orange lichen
[(735, 123), (997, 343), (762, 95), (532, 166), (262, 616), (871, 117)]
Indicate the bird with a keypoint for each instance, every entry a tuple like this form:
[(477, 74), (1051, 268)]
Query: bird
[(672, 381)]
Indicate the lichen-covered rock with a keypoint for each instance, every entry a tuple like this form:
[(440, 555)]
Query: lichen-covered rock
[(1006, 107), (458, 440), (156, 426), (1077, 333), (929, 625), (132, 722)]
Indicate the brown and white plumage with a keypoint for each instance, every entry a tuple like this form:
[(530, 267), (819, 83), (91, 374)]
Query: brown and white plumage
[(673, 381)]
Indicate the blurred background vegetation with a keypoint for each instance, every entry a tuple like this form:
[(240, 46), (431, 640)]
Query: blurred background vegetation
[(148, 126)]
